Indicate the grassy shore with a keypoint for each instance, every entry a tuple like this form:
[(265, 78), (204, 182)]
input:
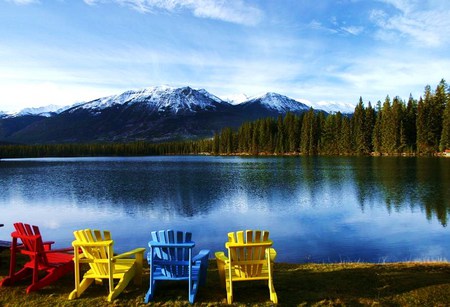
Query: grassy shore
[(343, 284)]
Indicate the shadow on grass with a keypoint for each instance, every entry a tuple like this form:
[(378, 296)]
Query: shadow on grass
[(350, 284)]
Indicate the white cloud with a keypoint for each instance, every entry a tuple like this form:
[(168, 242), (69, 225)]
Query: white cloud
[(353, 30), (423, 23), (236, 11), (336, 28)]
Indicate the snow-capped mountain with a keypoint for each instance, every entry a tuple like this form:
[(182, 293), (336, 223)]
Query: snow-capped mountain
[(160, 99), (277, 102), (43, 111), (153, 114)]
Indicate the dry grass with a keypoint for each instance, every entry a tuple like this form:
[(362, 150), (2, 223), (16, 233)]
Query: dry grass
[(344, 284)]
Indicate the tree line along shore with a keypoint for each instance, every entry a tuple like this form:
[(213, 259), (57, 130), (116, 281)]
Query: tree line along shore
[(392, 127)]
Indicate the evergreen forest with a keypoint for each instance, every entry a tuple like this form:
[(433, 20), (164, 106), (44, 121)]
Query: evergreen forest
[(391, 127)]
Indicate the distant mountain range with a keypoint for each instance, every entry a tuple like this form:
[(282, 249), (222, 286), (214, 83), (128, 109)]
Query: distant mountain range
[(152, 114)]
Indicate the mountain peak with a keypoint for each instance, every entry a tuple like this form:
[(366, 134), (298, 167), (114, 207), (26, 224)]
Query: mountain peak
[(160, 99), (279, 103)]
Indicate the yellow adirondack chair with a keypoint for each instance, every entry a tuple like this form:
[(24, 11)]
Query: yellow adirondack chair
[(97, 250), (250, 257)]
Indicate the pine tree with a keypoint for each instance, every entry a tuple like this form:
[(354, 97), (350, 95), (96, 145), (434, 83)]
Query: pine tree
[(369, 123), (421, 138), (306, 142), (345, 144), (445, 135), (280, 147), (376, 135), (409, 124), (357, 122)]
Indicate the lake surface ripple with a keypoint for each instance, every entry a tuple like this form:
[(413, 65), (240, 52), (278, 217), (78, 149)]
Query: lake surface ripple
[(318, 209)]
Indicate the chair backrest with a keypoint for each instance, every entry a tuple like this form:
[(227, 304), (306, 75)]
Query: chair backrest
[(247, 253), (172, 252), (32, 241), (96, 247)]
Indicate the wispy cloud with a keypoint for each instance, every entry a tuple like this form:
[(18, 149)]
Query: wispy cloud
[(336, 28), (236, 11), (423, 23)]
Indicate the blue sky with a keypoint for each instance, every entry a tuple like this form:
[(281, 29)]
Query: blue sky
[(326, 53)]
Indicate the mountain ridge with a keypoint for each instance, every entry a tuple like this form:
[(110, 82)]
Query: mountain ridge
[(152, 114)]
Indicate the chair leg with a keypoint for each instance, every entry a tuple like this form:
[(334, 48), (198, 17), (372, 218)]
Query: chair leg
[(221, 270), (193, 292), (150, 292), (229, 292), (21, 274), (138, 264), (85, 283), (273, 294), (124, 281), (52, 275)]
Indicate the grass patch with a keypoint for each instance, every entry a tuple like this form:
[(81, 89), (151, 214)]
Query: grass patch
[(342, 284)]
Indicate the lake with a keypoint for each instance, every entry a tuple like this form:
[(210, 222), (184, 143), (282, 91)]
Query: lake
[(317, 209)]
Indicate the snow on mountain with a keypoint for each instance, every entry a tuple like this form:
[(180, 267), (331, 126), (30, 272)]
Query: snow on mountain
[(43, 111), (160, 98), (278, 102), (211, 96), (332, 106), (236, 99)]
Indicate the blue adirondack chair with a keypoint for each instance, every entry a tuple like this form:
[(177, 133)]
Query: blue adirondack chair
[(170, 258)]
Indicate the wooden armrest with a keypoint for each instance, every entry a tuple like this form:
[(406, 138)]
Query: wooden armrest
[(204, 253), (220, 256), (271, 253), (130, 253)]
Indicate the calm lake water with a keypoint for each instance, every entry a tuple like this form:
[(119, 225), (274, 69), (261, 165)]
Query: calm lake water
[(318, 209)]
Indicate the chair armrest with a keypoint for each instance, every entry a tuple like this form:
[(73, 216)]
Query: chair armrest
[(271, 253), (203, 254), (130, 253), (59, 250), (48, 245), (158, 244), (220, 256)]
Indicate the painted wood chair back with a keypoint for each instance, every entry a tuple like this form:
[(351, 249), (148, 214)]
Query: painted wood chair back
[(96, 249), (170, 258), (250, 257), (55, 262)]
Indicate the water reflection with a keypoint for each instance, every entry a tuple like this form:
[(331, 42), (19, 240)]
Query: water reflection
[(317, 208)]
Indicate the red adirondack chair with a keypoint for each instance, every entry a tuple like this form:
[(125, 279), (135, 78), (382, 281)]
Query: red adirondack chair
[(55, 263)]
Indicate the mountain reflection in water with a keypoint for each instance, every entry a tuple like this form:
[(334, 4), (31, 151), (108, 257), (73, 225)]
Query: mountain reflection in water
[(317, 208)]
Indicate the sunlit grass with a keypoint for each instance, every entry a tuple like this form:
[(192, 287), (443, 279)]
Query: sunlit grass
[(425, 283)]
